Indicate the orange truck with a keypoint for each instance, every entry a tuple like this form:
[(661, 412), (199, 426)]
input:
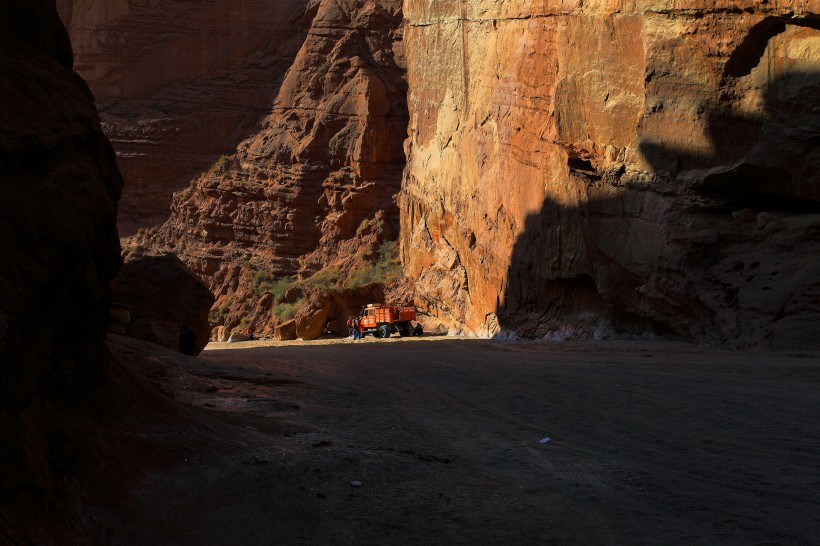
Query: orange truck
[(382, 320)]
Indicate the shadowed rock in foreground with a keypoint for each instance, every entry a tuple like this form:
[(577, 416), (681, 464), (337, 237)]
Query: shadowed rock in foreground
[(162, 295), (59, 248)]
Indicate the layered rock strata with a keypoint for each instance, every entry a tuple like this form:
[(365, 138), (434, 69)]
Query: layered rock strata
[(60, 249), (314, 184), (180, 83), (583, 168)]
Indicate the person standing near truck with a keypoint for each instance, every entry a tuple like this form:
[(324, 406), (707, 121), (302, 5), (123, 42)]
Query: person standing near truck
[(357, 333), (350, 327)]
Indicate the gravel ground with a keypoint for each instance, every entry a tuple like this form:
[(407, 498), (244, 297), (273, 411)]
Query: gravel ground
[(439, 441)]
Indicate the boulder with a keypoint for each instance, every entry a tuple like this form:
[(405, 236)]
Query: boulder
[(219, 333), (119, 319), (161, 332), (312, 316), (163, 294), (286, 331)]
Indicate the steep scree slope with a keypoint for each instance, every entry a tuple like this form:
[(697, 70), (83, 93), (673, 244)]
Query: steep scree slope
[(581, 168)]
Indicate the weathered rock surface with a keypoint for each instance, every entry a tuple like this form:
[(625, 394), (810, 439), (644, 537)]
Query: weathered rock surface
[(60, 249), (582, 168), (314, 184), (180, 83), (163, 295), (286, 331)]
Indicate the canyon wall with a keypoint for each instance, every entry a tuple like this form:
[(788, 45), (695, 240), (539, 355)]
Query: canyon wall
[(179, 84), (279, 125), (580, 168), (60, 249), (314, 184)]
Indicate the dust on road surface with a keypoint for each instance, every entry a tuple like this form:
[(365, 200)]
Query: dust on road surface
[(650, 443)]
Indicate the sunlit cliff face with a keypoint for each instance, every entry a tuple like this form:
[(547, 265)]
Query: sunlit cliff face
[(255, 137), (579, 170)]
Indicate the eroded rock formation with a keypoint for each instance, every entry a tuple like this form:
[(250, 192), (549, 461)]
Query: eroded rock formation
[(60, 249), (579, 168), (314, 185), (162, 295), (179, 84)]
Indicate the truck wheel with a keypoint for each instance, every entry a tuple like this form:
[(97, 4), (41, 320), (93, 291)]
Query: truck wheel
[(384, 331), (405, 329)]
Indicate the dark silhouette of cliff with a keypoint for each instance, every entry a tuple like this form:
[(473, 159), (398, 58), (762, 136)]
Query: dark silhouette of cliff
[(63, 398)]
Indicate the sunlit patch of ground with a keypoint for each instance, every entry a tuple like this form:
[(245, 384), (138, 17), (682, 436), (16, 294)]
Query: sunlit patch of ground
[(329, 340)]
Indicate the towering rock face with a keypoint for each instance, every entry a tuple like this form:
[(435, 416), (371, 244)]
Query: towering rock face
[(579, 168), (314, 184), (279, 124), (180, 83), (60, 249)]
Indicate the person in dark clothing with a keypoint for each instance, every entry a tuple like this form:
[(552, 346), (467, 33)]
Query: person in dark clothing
[(350, 327), (187, 341)]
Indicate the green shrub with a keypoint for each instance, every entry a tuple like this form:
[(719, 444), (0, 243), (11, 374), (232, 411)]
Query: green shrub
[(389, 262), (280, 287), (366, 275), (326, 278), (258, 279), (386, 269), (286, 311), (388, 252), (322, 69), (223, 164), (262, 282)]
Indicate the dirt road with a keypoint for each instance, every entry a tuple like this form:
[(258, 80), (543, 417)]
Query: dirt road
[(437, 442)]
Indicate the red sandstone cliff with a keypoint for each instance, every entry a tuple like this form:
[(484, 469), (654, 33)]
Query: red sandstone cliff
[(288, 119), (578, 168), (574, 168), (313, 186), (180, 83)]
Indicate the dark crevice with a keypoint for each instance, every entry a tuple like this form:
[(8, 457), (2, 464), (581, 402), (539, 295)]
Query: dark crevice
[(583, 168), (580, 164)]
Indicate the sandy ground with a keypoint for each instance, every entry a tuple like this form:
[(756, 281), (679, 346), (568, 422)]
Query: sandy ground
[(650, 443)]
